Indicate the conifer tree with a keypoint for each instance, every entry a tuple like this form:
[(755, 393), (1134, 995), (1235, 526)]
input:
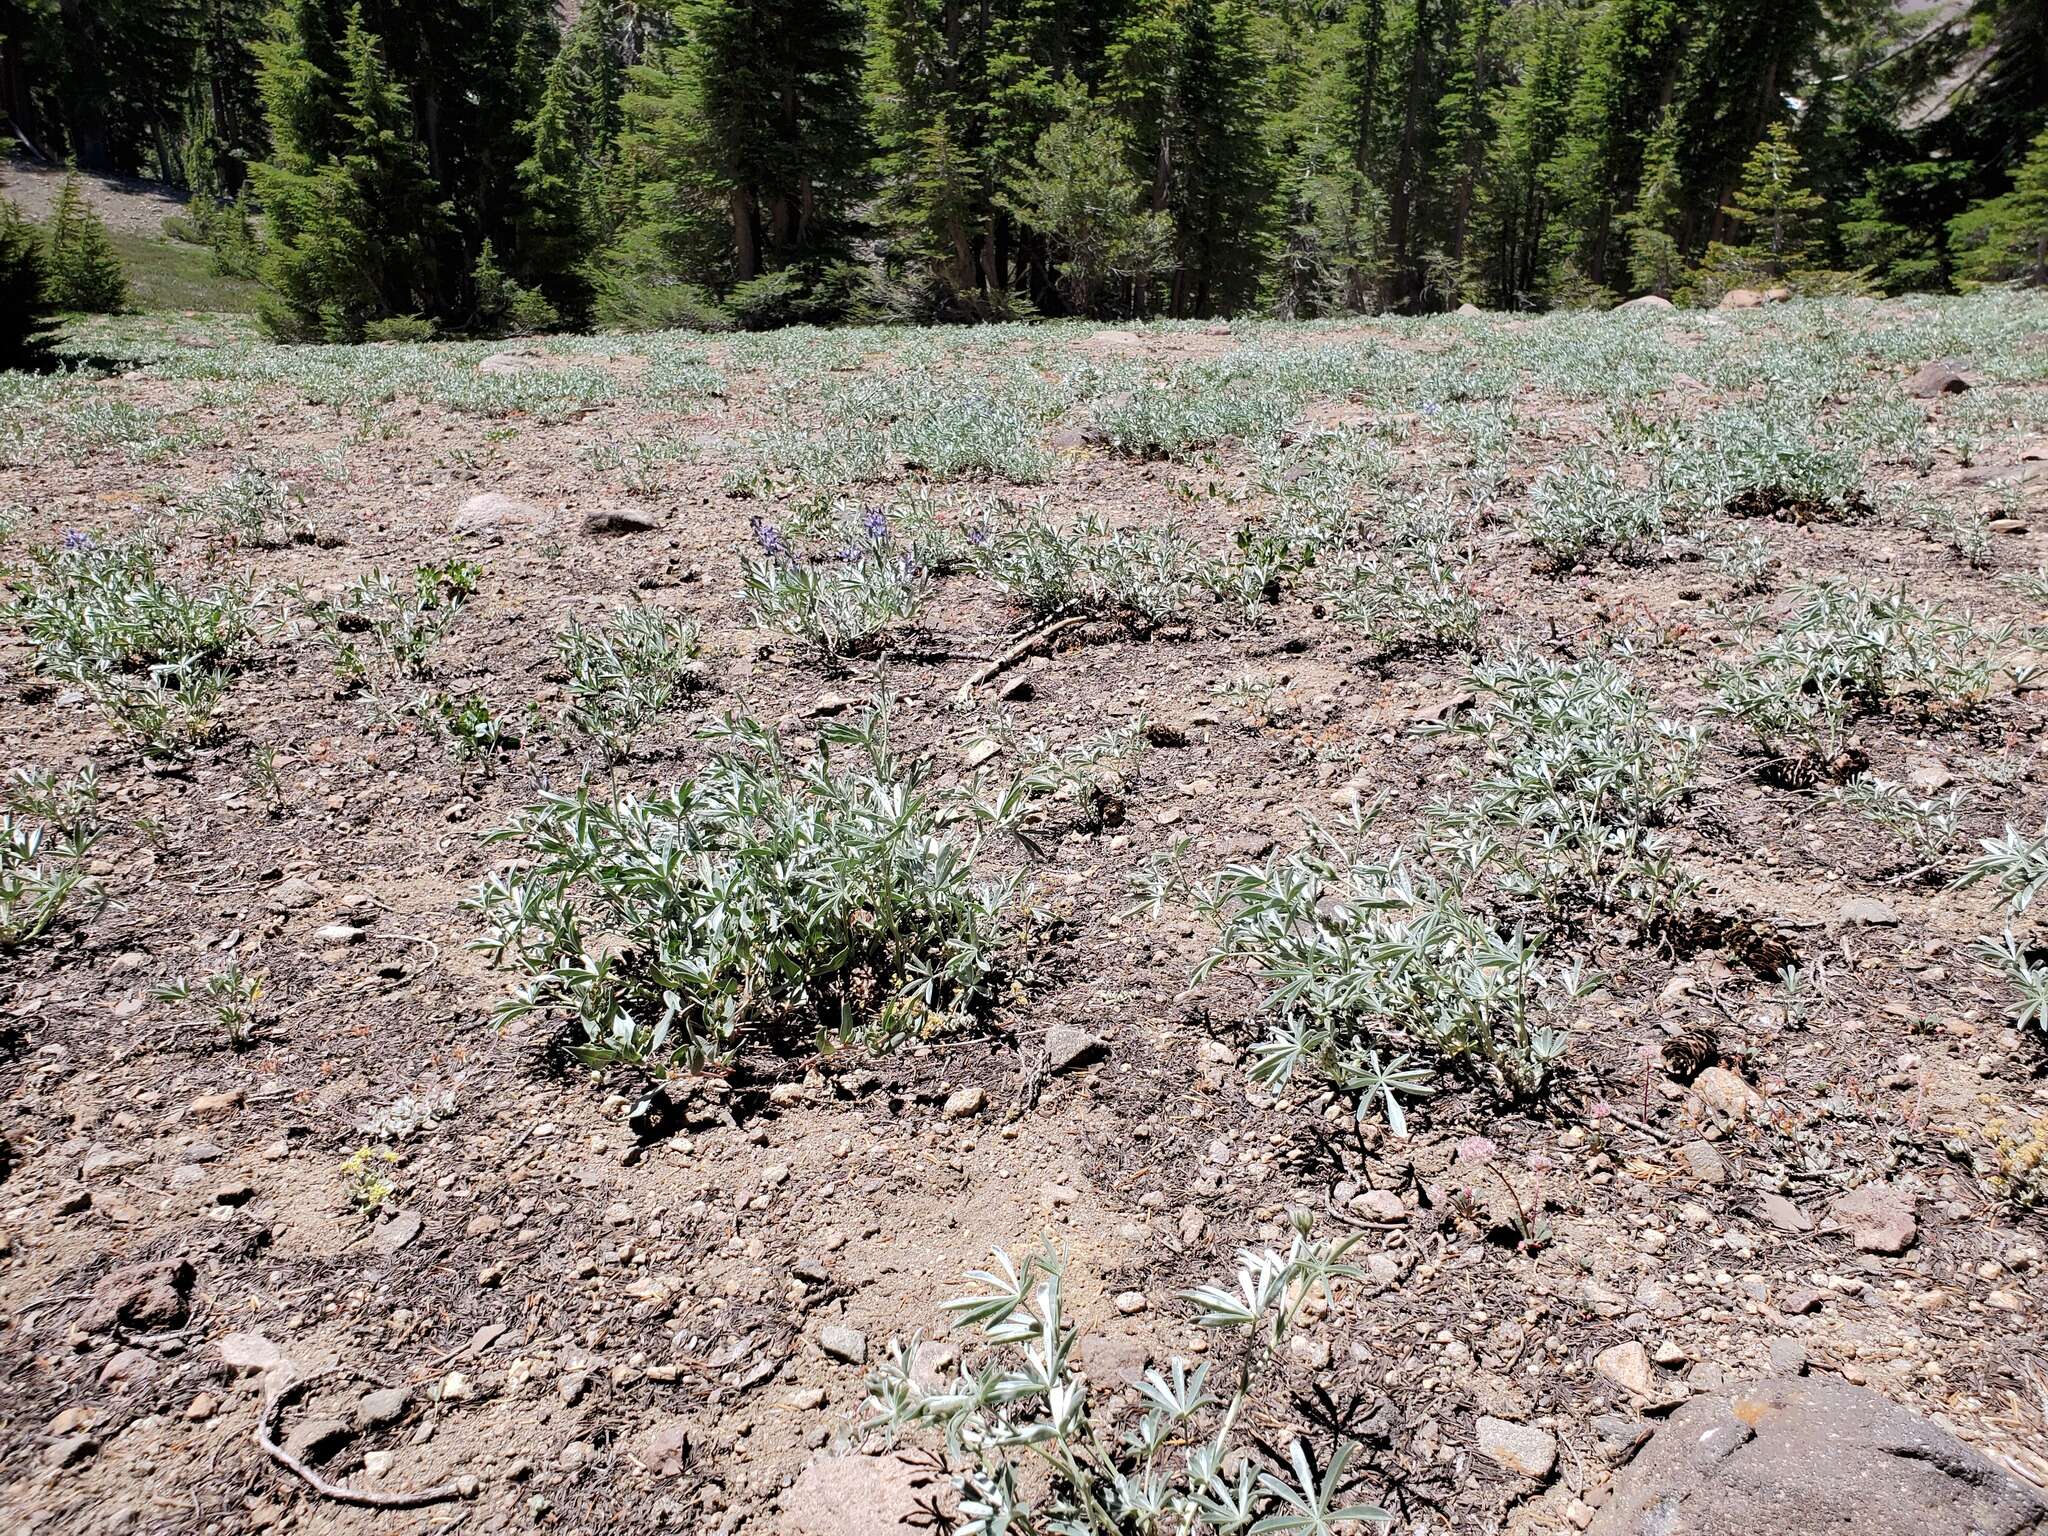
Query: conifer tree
[(25, 309), (83, 271), (1655, 261), (2006, 238), (1081, 192), (356, 220), (1776, 207)]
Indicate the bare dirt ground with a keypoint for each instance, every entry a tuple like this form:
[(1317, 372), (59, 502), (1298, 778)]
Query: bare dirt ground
[(611, 1335), (126, 204)]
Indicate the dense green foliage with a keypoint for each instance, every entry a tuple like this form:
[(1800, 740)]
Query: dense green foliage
[(480, 167), (24, 301)]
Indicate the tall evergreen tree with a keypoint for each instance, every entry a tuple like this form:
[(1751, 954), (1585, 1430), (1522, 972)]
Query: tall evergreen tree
[(26, 318), (745, 145), (357, 225), (82, 271)]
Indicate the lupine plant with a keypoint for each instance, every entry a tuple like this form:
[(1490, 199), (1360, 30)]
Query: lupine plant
[(1363, 962), (763, 898), (1580, 771), (1145, 576), (2015, 863), (1928, 825), (47, 828), (624, 673), (1841, 653), (152, 655), (403, 620), (1032, 1447)]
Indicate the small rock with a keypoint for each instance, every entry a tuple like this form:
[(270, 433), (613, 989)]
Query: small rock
[(1703, 1162), (1788, 1357), (1741, 298), (1067, 1048), (390, 1236), (1627, 1365), (202, 1408), (70, 1451), (1782, 1213), (293, 894), (209, 1104), (1131, 1302), (237, 1194), (249, 1354), (842, 1343), (1380, 1205), (965, 1102), (339, 933), (1878, 1217), (386, 1405), (315, 1440), (1519, 1447), (1936, 378), (1648, 301), (664, 1448), (379, 1463), (491, 515), (1865, 912), (616, 522), (1726, 1094), (1799, 1303), (145, 1297)]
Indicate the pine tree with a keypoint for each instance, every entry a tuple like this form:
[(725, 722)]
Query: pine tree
[(1081, 192), (1655, 261), (746, 147), (83, 272), (1218, 187), (1775, 206), (356, 236), (25, 309), (2005, 239)]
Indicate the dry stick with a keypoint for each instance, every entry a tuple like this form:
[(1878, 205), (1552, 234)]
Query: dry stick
[(340, 1493), (1031, 641)]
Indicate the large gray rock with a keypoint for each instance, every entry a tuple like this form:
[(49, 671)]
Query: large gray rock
[(1813, 1457), (851, 1495)]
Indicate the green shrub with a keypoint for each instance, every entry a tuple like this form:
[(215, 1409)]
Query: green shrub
[(764, 898), (24, 292), (84, 273)]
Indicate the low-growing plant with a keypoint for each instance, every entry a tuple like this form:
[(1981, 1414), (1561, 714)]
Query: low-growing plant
[(94, 607), (48, 827), (1748, 563), (247, 509), (470, 728), (404, 620), (1145, 576), (409, 1114), (2007, 957), (1842, 653), (229, 994), (2015, 863), (368, 1170), (1581, 771), (1928, 825), (840, 606), (1360, 958), (1095, 775), (1581, 507), (1406, 602), (1031, 1449), (2014, 1161), (153, 656), (625, 672), (763, 897)]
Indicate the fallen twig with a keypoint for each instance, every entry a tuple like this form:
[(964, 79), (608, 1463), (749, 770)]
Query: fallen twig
[(1029, 642), (341, 1493)]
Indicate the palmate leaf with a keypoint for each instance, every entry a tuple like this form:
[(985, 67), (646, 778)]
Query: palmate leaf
[(1312, 1507)]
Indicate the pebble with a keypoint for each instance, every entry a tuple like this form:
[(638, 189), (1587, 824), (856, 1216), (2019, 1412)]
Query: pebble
[(1703, 1162), (384, 1406), (1518, 1447), (964, 1102), (1067, 1048), (842, 1343), (1131, 1302)]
